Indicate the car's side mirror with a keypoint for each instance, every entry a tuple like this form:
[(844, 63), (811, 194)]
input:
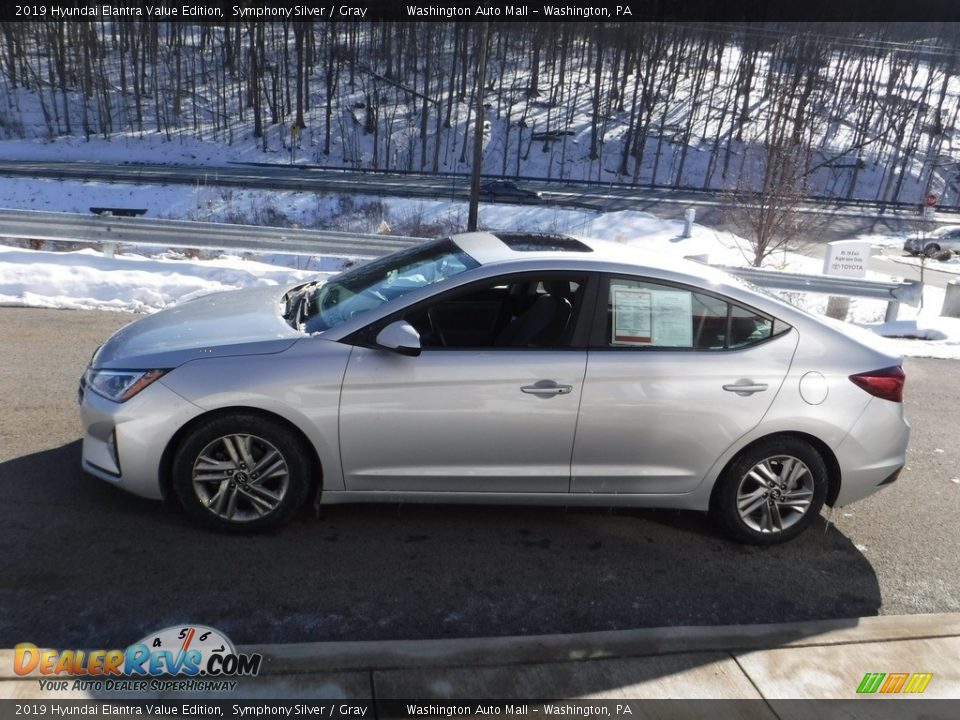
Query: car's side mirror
[(401, 337)]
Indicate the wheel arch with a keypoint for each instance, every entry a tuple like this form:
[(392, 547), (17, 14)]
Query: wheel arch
[(166, 459), (834, 475)]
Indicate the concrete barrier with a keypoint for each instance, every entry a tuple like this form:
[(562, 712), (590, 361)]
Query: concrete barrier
[(951, 300)]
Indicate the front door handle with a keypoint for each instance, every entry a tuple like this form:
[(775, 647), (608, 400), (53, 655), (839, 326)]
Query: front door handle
[(743, 388), (546, 388)]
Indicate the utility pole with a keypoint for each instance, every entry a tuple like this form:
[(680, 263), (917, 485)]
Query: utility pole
[(478, 132)]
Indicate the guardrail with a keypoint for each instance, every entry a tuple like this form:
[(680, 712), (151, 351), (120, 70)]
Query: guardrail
[(893, 291), (110, 231)]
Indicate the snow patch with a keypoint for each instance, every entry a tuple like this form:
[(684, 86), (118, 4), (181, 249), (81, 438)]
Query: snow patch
[(85, 279)]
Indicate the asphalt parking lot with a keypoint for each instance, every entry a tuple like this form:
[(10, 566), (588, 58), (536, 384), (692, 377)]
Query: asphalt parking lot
[(84, 564)]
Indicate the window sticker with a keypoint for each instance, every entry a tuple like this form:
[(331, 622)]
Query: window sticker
[(672, 312), (631, 316)]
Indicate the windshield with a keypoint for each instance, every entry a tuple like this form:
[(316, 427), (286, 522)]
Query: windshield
[(371, 285)]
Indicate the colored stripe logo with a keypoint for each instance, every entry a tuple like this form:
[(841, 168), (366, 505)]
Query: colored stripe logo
[(893, 683)]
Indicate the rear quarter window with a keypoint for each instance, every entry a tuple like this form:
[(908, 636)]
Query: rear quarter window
[(649, 315)]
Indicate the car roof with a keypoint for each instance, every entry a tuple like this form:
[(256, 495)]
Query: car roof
[(495, 257), (943, 230), (497, 247)]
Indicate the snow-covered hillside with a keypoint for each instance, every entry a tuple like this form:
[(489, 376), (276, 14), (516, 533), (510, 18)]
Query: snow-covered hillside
[(857, 112)]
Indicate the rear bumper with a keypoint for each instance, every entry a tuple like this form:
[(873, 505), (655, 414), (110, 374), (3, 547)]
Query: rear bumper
[(873, 451)]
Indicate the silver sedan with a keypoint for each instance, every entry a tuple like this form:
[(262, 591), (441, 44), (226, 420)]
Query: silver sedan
[(508, 368), (943, 238)]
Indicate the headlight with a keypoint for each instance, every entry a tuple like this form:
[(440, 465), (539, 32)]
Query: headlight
[(120, 385)]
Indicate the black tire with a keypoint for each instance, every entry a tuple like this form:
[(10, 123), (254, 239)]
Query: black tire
[(751, 530), (931, 250), (288, 486)]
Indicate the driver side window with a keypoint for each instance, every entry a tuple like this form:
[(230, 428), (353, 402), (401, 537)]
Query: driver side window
[(526, 312)]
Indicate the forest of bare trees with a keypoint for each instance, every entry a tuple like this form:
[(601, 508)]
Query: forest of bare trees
[(854, 112)]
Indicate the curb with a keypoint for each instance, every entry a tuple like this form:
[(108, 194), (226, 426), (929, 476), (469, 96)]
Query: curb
[(369, 655), (298, 658)]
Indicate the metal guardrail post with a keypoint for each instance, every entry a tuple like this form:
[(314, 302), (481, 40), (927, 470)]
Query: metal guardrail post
[(689, 217)]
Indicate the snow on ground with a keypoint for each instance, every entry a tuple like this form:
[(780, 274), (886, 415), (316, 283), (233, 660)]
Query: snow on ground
[(129, 148), (951, 266), (85, 279), (936, 337), (883, 241), (207, 202)]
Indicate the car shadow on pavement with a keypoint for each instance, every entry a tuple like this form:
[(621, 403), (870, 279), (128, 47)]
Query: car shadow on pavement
[(89, 565)]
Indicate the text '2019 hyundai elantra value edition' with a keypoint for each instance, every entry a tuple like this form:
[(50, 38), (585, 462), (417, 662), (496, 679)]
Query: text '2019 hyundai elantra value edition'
[(498, 368)]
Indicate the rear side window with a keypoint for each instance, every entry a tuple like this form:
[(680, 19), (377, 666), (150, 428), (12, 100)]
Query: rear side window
[(648, 315)]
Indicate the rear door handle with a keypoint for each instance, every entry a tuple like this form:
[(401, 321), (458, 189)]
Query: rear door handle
[(547, 388), (743, 388)]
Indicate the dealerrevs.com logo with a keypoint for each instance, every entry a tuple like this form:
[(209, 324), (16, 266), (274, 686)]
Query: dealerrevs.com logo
[(191, 651)]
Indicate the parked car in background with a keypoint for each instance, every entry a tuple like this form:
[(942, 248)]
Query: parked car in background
[(506, 190), (943, 238), (498, 368)]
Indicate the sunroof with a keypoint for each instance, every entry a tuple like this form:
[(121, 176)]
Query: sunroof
[(527, 242)]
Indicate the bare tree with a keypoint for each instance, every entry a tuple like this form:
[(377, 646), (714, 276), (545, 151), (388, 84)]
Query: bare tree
[(300, 28), (769, 216)]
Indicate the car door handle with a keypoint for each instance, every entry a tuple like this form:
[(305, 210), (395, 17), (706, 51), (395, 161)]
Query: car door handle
[(743, 388), (547, 388)]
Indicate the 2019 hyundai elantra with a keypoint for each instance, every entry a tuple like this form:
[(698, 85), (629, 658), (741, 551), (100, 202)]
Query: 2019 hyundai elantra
[(498, 368)]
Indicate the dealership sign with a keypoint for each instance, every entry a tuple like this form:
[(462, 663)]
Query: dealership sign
[(847, 257)]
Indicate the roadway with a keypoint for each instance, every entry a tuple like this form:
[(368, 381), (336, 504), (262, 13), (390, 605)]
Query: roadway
[(86, 565), (828, 220)]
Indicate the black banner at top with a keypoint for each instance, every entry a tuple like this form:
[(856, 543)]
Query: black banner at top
[(937, 11)]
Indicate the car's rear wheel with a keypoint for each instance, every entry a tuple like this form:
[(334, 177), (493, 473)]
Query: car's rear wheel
[(241, 473), (931, 249), (771, 492)]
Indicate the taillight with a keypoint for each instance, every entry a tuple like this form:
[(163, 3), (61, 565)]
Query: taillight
[(886, 383)]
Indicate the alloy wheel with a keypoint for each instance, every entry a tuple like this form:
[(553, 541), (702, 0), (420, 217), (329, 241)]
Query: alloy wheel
[(240, 477), (775, 494)]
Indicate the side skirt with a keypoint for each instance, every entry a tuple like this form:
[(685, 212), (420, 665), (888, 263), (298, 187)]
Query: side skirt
[(697, 500)]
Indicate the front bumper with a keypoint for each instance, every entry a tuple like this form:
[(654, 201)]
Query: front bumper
[(124, 442)]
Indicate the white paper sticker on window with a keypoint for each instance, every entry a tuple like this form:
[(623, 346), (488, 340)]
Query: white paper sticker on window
[(672, 318), (631, 316)]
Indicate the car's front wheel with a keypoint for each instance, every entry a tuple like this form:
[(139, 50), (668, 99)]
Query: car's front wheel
[(241, 472), (931, 250), (771, 492)]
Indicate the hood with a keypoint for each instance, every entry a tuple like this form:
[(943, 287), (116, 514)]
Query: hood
[(237, 322)]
